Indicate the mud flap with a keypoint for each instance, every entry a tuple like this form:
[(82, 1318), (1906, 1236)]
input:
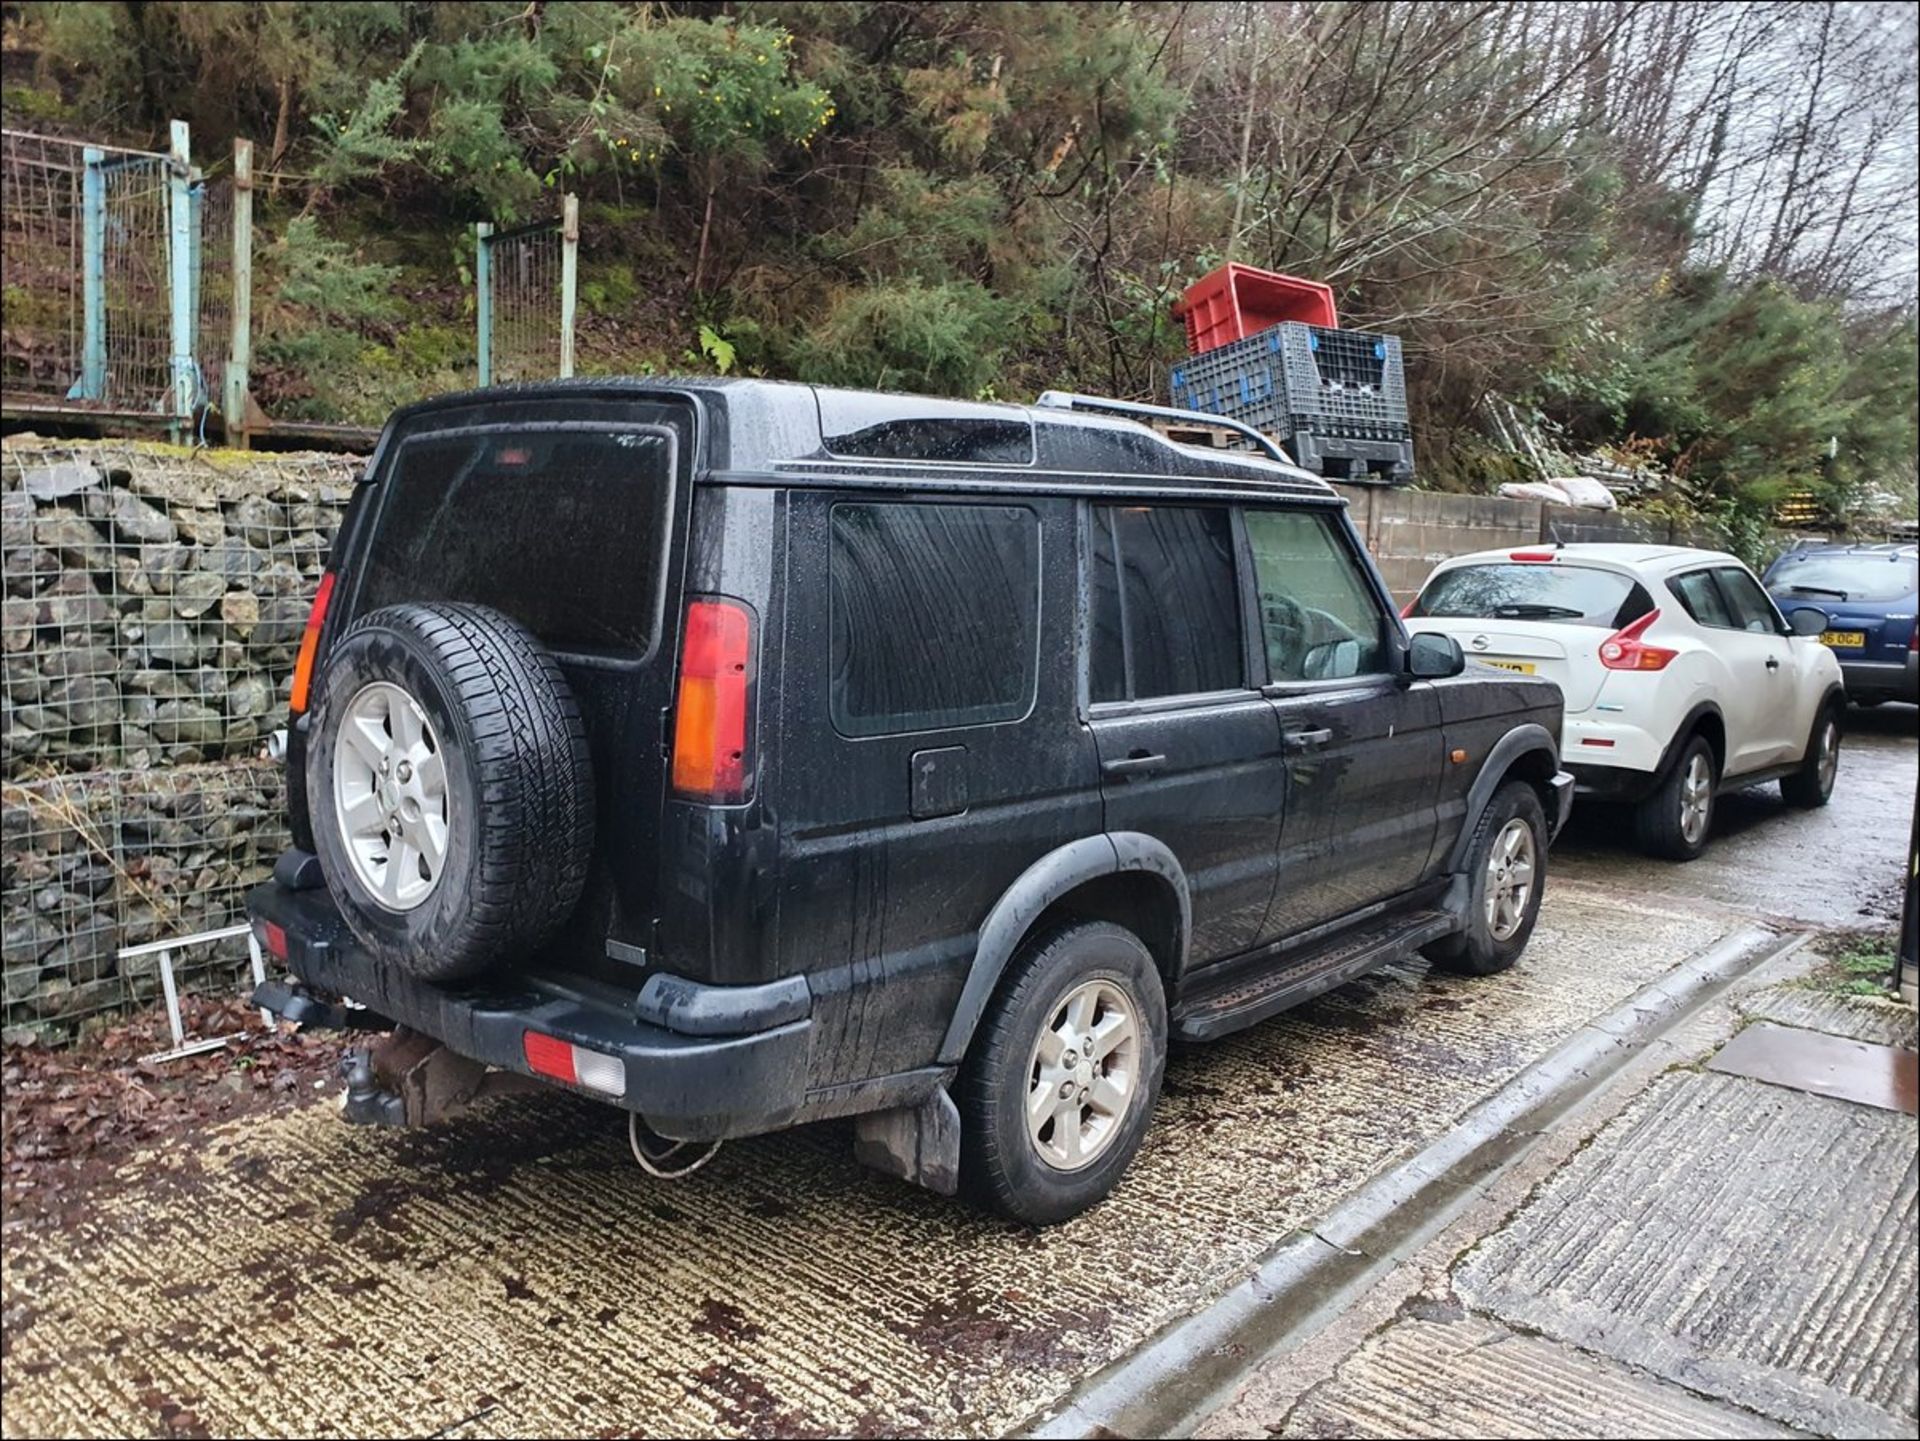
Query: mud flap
[(919, 1143)]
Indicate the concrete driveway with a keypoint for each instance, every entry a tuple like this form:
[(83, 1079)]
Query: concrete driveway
[(516, 1274)]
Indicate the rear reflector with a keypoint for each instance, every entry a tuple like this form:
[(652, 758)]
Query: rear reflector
[(310, 644), (576, 1065), (273, 938), (711, 741), (1591, 741)]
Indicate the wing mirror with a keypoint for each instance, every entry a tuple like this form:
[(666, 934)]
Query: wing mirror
[(1807, 620), (1434, 657)]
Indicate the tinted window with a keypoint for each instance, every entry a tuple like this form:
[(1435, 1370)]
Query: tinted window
[(1751, 608), (1846, 577), (1318, 615), (1519, 590), (499, 519), (1701, 599), (934, 615), (1166, 607)]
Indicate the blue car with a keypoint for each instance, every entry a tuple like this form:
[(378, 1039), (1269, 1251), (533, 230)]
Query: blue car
[(1871, 594)]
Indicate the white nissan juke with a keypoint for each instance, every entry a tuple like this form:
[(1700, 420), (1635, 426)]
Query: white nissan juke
[(1682, 679)]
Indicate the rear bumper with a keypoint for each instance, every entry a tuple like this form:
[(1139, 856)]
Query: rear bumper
[(1590, 742), (1882, 679), (687, 1087)]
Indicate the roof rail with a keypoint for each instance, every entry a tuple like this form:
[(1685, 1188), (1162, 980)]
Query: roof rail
[(1138, 410)]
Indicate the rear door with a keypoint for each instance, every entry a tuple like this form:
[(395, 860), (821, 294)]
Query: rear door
[(930, 750), (1189, 749), (570, 517), (1362, 743)]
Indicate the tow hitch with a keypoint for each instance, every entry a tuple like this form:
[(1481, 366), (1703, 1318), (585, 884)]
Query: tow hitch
[(409, 1079)]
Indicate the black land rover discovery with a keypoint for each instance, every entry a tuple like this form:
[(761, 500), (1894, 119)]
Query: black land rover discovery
[(743, 754)]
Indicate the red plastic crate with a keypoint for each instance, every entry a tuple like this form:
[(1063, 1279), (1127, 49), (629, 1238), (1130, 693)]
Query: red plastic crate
[(1237, 300)]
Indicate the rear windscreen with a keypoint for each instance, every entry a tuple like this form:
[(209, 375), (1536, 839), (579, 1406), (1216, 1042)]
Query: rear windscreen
[(565, 530), (1846, 577), (1568, 594)]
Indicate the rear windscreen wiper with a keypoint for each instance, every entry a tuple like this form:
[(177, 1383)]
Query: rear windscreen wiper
[(1817, 590), (1527, 611)]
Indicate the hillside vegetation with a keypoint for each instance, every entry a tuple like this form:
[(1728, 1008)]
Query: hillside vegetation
[(1682, 231)]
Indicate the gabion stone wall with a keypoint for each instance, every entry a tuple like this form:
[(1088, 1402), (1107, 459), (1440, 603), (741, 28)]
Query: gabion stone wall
[(153, 603)]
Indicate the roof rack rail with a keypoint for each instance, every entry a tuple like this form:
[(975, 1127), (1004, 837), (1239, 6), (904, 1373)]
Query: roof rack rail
[(1139, 410)]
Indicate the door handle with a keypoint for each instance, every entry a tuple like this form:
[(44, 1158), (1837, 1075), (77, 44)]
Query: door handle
[(1138, 764), (1307, 740), (1773, 662)]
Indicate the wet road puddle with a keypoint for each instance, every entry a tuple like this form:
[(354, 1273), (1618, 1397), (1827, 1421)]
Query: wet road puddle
[(1883, 1076)]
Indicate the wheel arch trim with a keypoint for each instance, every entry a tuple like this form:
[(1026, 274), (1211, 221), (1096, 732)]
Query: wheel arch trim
[(1523, 740), (1046, 881)]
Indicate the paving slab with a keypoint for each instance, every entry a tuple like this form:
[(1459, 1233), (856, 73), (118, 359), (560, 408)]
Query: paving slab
[(1742, 1240), (1859, 1018), (1848, 1070), (1461, 1375)]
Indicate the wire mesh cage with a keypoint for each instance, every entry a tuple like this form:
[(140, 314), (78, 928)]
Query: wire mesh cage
[(107, 860), (153, 603)]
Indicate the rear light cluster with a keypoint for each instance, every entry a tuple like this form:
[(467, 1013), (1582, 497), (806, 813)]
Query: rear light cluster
[(576, 1065), (712, 721), (310, 644), (1624, 650)]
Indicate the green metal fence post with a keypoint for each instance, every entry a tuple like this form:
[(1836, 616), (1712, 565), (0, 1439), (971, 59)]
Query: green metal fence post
[(180, 276), (93, 283), (483, 299), (233, 404), (569, 277)]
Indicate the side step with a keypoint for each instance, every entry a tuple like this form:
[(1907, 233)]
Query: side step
[(1248, 999)]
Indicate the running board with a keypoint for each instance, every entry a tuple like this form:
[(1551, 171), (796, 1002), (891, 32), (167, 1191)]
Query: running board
[(1213, 1013)]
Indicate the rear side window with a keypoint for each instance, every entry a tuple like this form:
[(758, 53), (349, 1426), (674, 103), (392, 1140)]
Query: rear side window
[(934, 616), (1519, 590), (1166, 605), (564, 530)]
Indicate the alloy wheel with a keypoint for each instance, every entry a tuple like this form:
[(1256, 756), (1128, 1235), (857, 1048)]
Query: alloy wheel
[(390, 796)]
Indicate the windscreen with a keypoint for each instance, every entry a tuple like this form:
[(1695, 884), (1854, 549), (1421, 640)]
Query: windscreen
[(1569, 594), (1886, 576), (564, 529)]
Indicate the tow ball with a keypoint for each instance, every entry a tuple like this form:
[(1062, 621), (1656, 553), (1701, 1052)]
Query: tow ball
[(410, 1079)]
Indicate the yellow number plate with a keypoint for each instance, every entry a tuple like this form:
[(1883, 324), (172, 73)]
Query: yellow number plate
[(1525, 667), (1845, 639)]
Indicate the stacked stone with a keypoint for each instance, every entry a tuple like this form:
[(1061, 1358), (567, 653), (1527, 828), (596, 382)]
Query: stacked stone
[(152, 606)]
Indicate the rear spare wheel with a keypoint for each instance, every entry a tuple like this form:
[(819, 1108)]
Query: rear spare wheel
[(450, 786)]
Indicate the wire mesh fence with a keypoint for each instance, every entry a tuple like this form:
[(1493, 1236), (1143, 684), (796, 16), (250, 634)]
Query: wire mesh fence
[(520, 323), (88, 236), (40, 252), (154, 600), (213, 292), (131, 369)]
